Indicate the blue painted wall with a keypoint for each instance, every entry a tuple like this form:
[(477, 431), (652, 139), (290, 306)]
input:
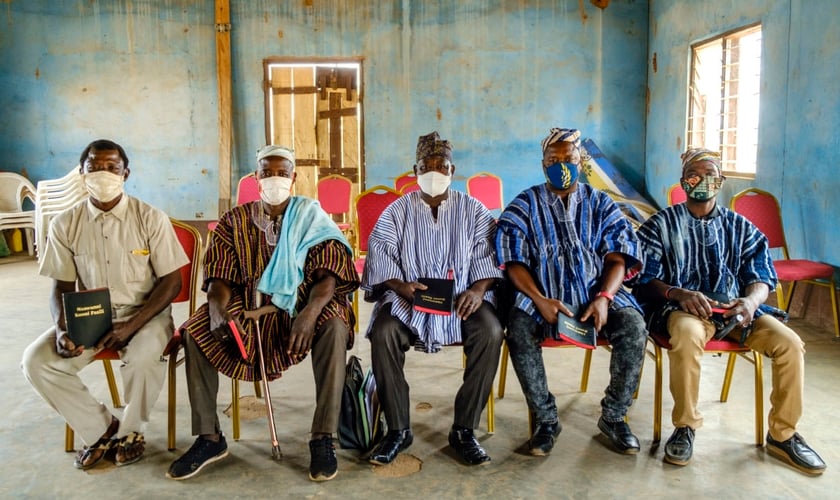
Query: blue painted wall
[(492, 76), (136, 72), (798, 144)]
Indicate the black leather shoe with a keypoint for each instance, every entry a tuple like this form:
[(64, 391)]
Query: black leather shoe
[(620, 435), (463, 441), (391, 445), (797, 453), (542, 441), (680, 446)]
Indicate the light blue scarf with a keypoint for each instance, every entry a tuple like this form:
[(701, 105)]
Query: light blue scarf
[(305, 224)]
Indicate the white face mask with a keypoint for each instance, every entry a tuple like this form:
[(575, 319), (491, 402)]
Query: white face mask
[(104, 186), (434, 183), (275, 190)]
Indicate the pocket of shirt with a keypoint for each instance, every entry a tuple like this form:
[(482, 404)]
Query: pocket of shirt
[(136, 267)]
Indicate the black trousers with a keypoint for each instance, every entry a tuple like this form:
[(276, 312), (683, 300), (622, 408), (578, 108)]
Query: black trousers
[(390, 339)]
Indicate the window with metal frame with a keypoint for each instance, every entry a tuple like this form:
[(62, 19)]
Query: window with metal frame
[(723, 98)]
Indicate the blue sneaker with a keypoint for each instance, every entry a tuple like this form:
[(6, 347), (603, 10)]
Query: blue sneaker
[(203, 452)]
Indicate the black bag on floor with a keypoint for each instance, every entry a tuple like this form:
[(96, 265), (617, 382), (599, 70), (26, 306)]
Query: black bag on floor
[(359, 424)]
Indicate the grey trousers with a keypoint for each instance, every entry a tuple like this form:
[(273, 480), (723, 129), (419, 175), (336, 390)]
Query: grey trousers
[(390, 339), (329, 356), (625, 330)]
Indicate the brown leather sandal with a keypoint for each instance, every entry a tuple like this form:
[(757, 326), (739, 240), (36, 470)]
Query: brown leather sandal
[(130, 449), (93, 454)]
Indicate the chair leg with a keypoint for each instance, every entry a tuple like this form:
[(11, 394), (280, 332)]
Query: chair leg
[(234, 407), (833, 287), (112, 383), (780, 296), (759, 399), (170, 412), (727, 377), (657, 395), (503, 370), (789, 295), (69, 438), (491, 413), (30, 241), (584, 375), (356, 309)]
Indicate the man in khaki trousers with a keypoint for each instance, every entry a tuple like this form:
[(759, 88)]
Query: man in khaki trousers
[(697, 250), (114, 241)]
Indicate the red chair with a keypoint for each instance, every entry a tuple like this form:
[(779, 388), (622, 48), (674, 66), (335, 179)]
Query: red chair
[(486, 188), (726, 345), (369, 206), (676, 195), (247, 190), (190, 240), (762, 209), (403, 179), (410, 188), (334, 195)]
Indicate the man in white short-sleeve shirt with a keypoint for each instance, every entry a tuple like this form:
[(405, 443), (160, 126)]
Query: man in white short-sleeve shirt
[(114, 241)]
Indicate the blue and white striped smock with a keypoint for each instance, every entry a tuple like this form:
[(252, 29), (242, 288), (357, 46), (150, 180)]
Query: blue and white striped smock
[(407, 243), (565, 248), (723, 253)]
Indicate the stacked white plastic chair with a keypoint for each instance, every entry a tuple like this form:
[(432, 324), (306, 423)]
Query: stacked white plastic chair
[(52, 197), (14, 188)]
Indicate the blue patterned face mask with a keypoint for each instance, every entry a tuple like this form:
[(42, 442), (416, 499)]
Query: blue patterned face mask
[(561, 175)]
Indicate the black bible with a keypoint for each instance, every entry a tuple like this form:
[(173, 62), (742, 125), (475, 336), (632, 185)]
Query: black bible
[(579, 333), (87, 315), (437, 298)]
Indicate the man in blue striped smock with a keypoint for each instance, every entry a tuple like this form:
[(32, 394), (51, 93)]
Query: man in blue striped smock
[(696, 249), (567, 245), (442, 234)]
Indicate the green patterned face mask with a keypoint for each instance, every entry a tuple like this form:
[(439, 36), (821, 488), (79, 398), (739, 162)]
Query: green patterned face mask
[(701, 188)]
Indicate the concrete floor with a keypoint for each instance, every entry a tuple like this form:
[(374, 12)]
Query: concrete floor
[(726, 463)]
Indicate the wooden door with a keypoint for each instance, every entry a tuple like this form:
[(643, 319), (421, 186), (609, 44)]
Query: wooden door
[(315, 108)]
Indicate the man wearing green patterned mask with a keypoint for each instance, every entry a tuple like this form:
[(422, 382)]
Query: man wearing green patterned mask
[(698, 250), (701, 178)]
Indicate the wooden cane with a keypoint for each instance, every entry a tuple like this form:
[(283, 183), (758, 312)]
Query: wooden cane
[(255, 315)]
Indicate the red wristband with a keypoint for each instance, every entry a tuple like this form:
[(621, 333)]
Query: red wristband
[(606, 295)]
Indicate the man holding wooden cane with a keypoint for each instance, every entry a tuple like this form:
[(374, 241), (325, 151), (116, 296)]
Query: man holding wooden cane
[(287, 250)]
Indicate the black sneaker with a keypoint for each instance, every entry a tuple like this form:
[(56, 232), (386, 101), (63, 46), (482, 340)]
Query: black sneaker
[(203, 452), (323, 465), (680, 446), (797, 453)]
